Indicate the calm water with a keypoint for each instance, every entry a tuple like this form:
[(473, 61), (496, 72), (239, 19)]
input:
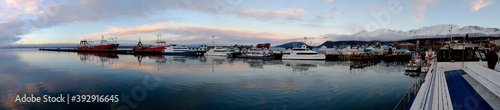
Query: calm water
[(173, 82)]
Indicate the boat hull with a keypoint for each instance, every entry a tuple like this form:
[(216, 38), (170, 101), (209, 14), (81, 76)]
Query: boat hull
[(224, 54), (413, 69), (151, 48), (255, 56), (99, 47)]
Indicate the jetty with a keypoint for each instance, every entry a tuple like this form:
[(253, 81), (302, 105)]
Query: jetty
[(118, 51)]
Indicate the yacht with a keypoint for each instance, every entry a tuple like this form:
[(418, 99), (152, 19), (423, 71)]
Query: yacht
[(457, 79), (257, 53), (218, 51), (303, 53), (174, 49)]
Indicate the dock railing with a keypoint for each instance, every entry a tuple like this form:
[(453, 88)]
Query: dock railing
[(408, 99)]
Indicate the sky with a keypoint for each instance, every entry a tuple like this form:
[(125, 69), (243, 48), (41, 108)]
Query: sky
[(229, 21)]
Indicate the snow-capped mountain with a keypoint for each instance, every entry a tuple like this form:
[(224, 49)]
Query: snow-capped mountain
[(436, 31)]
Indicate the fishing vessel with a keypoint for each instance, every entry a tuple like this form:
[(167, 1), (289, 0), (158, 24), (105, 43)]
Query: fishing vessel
[(303, 53), (415, 64), (174, 49), (103, 45), (160, 46), (218, 51), (458, 79)]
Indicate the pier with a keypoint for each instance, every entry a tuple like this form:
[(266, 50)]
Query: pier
[(198, 52)]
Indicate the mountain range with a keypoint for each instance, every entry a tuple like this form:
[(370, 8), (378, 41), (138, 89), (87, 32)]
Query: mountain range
[(436, 31)]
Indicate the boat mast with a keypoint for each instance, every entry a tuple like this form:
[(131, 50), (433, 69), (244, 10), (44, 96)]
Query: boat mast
[(451, 38)]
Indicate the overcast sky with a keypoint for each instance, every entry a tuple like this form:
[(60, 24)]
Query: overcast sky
[(230, 21)]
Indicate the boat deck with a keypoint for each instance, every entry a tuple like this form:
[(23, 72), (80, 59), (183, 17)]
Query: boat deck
[(470, 87), (462, 95)]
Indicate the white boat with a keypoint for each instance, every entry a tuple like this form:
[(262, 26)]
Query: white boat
[(303, 53), (415, 64), (174, 49), (458, 79), (257, 53), (218, 51)]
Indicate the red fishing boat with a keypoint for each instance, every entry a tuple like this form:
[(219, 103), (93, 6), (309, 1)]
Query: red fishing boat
[(104, 45), (160, 46)]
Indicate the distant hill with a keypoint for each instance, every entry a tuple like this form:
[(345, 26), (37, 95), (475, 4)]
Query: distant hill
[(292, 45), (330, 44)]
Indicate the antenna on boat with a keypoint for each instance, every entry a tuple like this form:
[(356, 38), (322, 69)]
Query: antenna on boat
[(305, 39), (213, 41)]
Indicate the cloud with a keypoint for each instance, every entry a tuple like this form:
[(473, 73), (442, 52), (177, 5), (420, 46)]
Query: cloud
[(265, 14), (329, 1), (420, 8), (22, 17), (478, 4), (198, 34), (328, 14)]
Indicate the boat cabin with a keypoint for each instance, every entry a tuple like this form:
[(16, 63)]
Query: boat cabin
[(461, 52)]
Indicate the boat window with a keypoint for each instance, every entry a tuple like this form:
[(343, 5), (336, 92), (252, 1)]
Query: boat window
[(461, 55), (478, 55), (180, 50), (220, 50), (307, 53), (299, 49)]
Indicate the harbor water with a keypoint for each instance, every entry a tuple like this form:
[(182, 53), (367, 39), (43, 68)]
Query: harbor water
[(145, 82)]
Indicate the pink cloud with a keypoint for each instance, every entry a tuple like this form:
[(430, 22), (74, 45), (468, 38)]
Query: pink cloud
[(478, 4), (188, 32), (289, 13), (420, 8)]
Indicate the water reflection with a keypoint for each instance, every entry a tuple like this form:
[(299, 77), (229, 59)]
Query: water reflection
[(412, 74), (213, 61), (302, 65), (256, 63), (98, 57), (360, 64), (199, 82)]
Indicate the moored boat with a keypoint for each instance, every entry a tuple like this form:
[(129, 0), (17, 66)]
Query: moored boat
[(303, 53), (415, 64), (257, 53), (160, 46), (218, 51), (103, 45), (174, 49)]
